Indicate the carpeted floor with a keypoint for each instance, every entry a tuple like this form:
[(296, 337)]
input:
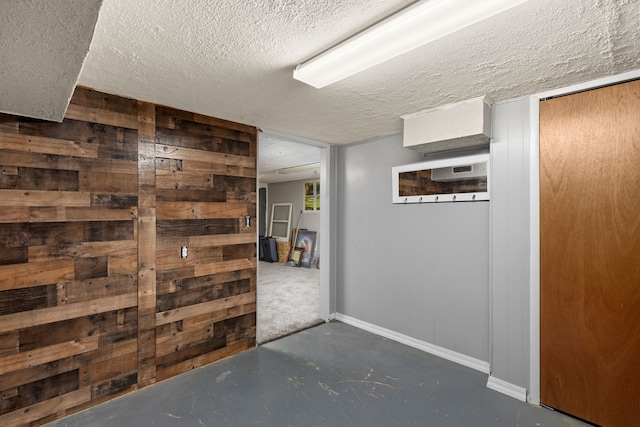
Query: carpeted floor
[(288, 300)]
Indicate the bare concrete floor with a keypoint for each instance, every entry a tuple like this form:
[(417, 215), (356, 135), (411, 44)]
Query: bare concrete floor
[(329, 375)]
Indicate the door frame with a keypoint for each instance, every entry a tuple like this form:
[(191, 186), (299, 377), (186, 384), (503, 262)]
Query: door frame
[(534, 217), (328, 219)]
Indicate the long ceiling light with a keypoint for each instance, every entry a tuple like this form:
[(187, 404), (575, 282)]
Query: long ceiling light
[(417, 25), (301, 168)]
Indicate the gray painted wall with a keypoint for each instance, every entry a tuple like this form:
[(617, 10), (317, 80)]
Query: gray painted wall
[(292, 192), (510, 242), (420, 270)]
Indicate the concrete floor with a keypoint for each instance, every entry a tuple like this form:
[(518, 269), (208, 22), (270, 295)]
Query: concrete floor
[(329, 375)]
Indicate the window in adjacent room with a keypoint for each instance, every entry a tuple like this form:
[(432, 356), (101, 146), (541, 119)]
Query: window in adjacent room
[(312, 196)]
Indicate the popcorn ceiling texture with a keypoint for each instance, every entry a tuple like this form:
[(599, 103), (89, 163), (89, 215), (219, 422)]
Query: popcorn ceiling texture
[(43, 45), (234, 59)]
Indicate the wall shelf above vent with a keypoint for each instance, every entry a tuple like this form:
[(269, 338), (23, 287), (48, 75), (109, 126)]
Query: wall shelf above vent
[(449, 127)]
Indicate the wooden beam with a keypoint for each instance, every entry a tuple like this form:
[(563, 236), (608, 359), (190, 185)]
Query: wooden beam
[(146, 245)]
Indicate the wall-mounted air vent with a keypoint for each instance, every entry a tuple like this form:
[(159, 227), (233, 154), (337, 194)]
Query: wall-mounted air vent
[(450, 127), (459, 173)]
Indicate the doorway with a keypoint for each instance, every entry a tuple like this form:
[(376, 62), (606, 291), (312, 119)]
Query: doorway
[(590, 253), (289, 296)]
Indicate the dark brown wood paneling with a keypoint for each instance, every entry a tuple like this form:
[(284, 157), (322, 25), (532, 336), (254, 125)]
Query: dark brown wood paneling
[(26, 299), (171, 195), (114, 200), (59, 298), (66, 330), (238, 251), (197, 294), (94, 298), (590, 253), (39, 391), (40, 179), (205, 176), (17, 255), (197, 227)]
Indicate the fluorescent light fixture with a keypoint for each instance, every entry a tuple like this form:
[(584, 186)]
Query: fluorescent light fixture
[(298, 169), (417, 25)]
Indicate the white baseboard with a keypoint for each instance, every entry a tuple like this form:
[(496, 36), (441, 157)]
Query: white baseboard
[(452, 356), (509, 389), (332, 316)]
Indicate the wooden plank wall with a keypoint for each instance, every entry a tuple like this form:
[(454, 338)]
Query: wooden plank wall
[(95, 300)]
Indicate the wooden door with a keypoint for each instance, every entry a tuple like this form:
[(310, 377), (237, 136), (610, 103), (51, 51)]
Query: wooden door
[(590, 254)]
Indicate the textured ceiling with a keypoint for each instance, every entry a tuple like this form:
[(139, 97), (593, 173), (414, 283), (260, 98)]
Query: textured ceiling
[(43, 45), (234, 59), (276, 152)]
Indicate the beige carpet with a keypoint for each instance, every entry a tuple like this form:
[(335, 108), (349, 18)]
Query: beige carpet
[(288, 300)]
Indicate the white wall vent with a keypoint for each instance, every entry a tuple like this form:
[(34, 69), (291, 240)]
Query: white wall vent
[(449, 127)]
